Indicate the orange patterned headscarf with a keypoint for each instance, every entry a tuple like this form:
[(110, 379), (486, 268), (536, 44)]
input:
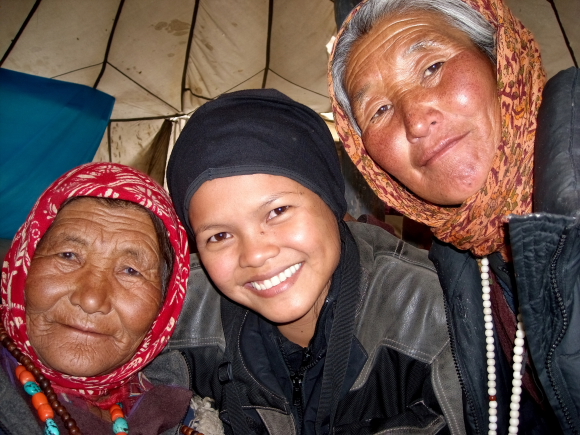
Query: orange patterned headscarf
[(478, 224)]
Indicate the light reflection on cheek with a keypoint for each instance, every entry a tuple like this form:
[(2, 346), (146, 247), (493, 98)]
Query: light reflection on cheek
[(463, 99)]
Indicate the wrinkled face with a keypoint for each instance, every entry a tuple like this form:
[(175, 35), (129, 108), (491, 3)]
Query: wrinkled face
[(268, 243), (94, 288), (425, 100)]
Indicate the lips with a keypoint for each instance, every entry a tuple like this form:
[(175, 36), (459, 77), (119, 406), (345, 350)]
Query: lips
[(86, 329), (276, 279), (441, 148)]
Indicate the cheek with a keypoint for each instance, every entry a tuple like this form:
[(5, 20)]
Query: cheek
[(472, 87), (43, 289), (384, 146), (221, 267), (138, 311), (324, 243)]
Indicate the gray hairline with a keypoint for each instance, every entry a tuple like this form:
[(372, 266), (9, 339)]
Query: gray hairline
[(459, 15)]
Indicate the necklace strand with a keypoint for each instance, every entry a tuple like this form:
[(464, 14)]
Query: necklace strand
[(42, 382), (26, 364), (490, 349)]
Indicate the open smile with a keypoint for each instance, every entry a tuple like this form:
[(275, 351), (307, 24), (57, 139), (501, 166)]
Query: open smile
[(276, 279)]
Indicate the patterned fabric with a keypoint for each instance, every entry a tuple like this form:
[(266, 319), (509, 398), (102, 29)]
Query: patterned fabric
[(478, 224), (107, 180)]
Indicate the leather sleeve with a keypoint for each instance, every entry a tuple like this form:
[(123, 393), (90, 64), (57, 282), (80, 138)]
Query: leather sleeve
[(557, 150)]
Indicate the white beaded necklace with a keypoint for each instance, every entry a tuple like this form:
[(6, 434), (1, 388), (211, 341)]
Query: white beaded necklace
[(490, 347)]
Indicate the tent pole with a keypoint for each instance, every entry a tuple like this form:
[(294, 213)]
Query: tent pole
[(109, 142)]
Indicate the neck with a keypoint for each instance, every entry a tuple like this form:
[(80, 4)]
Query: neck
[(300, 331), (104, 414)]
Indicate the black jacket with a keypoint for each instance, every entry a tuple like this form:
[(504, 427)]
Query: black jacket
[(399, 373), (544, 281)]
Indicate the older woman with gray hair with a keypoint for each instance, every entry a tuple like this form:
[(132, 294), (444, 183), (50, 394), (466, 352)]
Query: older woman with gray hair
[(437, 103)]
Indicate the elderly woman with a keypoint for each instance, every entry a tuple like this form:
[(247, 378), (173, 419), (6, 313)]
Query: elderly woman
[(436, 102), (91, 291)]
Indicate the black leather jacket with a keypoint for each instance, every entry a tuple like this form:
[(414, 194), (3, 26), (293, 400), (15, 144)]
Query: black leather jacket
[(544, 280), (400, 373)]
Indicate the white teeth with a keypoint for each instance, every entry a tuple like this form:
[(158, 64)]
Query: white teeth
[(277, 279)]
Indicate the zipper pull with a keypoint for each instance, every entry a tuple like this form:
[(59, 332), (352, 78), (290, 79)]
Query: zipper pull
[(297, 389)]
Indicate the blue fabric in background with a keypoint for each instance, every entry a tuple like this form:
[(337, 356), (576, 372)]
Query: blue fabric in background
[(47, 127)]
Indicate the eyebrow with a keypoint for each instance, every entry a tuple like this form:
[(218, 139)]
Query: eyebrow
[(420, 46), (269, 200), (360, 94), (67, 237), (274, 197), (132, 253), (137, 254)]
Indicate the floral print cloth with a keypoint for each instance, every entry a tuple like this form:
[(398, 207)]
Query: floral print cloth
[(479, 223), (106, 180)]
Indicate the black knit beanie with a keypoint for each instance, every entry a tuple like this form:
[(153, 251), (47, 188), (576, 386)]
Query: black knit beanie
[(259, 131)]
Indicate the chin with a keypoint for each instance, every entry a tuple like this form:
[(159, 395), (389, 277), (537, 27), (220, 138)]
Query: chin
[(79, 369), (457, 194), (284, 317)]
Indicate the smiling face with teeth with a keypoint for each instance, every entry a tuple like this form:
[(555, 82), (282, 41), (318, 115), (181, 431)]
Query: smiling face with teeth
[(270, 244)]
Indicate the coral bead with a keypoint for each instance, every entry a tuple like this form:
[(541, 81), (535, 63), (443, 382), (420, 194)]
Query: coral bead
[(19, 370), (45, 412), (25, 376), (39, 399), (116, 413)]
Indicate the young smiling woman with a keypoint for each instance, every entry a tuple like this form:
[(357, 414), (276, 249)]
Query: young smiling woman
[(318, 326), (273, 249)]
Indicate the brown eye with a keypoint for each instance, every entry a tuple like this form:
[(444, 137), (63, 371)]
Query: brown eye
[(277, 211), (382, 110), (433, 69), (219, 237), (131, 271)]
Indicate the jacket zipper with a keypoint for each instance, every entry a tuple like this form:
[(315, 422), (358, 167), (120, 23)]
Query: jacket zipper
[(297, 383), (561, 306), (456, 363)]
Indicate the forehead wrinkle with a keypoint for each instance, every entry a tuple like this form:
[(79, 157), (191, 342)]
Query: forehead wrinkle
[(59, 233), (72, 238)]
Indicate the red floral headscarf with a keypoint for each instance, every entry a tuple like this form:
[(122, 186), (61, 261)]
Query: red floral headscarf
[(105, 180), (478, 224)]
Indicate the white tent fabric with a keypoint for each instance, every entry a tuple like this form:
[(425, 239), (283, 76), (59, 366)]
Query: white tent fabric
[(164, 58)]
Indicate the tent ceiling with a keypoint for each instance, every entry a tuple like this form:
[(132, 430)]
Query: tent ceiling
[(234, 45), (166, 58)]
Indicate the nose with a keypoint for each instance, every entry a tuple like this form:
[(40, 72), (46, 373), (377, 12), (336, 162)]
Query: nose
[(92, 292), (257, 249), (421, 118)]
